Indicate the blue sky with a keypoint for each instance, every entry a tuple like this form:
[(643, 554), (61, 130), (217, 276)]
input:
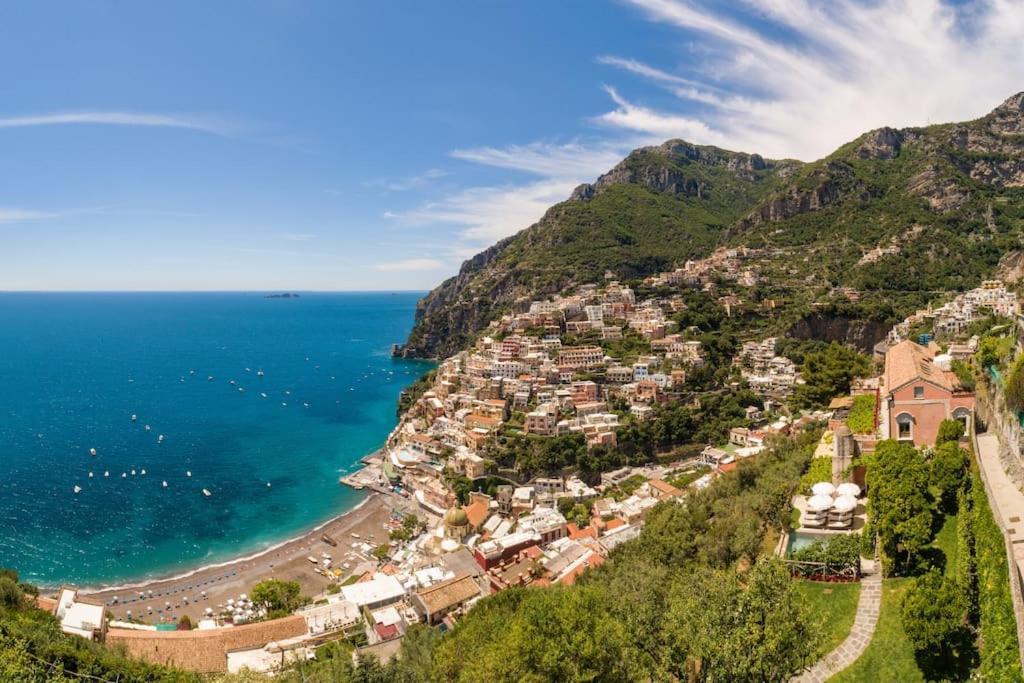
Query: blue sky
[(341, 145)]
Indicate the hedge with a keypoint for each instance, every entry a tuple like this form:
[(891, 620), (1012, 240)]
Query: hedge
[(1000, 652)]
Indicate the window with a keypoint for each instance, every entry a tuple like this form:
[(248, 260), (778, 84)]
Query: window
[(904, 427), (918, 392)]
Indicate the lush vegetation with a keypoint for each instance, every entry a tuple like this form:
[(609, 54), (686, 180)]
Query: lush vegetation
[(820, 470), (33, 648), (827, 373), (861, 419), (279, 598)]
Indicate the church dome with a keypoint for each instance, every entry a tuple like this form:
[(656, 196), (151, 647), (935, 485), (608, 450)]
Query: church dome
[(456, 517)]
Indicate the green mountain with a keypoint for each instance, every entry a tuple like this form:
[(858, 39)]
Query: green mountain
[(898, 215)]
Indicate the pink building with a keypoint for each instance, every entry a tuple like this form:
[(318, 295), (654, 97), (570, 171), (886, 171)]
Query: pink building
[(920, 395)]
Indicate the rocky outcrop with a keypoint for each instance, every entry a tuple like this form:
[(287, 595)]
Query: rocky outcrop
[(942, 192), (664, 169), (821, 188), (884, 143), (861, 334)]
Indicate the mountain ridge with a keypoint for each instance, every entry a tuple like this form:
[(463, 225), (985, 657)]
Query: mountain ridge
[(941, 204)]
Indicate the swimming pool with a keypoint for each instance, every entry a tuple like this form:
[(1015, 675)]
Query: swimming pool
[(801, 539)]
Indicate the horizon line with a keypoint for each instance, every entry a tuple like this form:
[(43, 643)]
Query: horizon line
[(212, 291)]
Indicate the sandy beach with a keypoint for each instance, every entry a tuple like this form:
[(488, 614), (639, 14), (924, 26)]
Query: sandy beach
[(167, 600)]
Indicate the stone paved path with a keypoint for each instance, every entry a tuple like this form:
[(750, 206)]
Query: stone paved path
[(868, 604)]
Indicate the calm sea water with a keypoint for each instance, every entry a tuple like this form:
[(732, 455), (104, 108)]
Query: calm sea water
[(74, 368)]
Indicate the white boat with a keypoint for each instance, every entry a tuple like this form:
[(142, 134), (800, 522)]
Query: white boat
[(209, 378), (188, 473), (241, 390), (78, 489), (305, 404), (248, 369), (147, 428), (263, 395), (107, 473), (268, 484), (90, 475), (231, 381), (133, 473), (165, 484), (134, 417), (143, 472), (207, 493), (259, 373), (283, 403), (124, 475), (160, 439), (92, 451)]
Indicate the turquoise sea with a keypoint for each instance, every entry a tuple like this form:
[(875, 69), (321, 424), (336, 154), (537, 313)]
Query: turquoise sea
[(74, 368)]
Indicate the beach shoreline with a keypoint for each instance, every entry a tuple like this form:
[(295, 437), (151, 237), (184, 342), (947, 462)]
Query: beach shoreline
[(166, 599), (234, 559)]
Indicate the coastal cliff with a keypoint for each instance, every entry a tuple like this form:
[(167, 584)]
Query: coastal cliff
[(908, 211)]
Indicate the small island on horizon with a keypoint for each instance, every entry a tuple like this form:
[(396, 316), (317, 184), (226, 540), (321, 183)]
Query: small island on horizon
[(283, 295)]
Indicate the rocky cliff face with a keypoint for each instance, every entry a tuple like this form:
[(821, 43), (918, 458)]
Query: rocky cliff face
[(959, 186)]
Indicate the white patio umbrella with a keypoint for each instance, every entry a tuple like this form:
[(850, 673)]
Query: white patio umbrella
[(823, 488), (819, 503), (845, 504), (848, 489)]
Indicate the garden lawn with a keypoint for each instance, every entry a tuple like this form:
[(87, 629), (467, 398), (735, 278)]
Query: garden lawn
[(833, 607), (890, 656)]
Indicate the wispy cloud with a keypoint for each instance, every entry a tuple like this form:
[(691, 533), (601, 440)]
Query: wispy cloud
[(842, 68), (485, 214), (295, 236), (13, 215), (412, 264), (412, 182), (119, 118)]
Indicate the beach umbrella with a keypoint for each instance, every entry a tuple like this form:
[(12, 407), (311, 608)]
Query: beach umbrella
[(845, 504), (848, 489), (823, 488), (819, 503)]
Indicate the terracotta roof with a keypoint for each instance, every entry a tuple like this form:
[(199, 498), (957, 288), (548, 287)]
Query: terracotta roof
[(595, 560), (907, 362), (613, 524), (665, 487), (447, 594), (477, 512), (205, 651)]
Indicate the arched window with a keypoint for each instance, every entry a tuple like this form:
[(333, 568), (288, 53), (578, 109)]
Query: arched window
[(964, 416), (904, 426)]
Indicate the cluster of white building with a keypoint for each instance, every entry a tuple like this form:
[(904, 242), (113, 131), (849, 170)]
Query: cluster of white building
[(954, 317)]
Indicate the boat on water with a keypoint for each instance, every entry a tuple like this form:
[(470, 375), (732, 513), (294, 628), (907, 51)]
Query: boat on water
[(263, 395), (147, 428), (160, 439), (78, 489), (209, 378), (135, 418), (206, 492), (143, 472), (259, 373), (90, 475), (164, 484), (106, 474), (92, 451), (188, 473)]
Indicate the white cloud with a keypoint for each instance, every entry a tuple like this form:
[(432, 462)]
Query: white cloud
[(117, 118), (13, 215), (853, 66), (411, 264), (413, 182)]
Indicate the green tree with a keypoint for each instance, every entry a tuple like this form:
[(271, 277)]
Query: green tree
[(901, 508), (933, 611), (948, 469), (1014, 386), (949, 430), (279, 598), (827, 373), (723, 626)]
